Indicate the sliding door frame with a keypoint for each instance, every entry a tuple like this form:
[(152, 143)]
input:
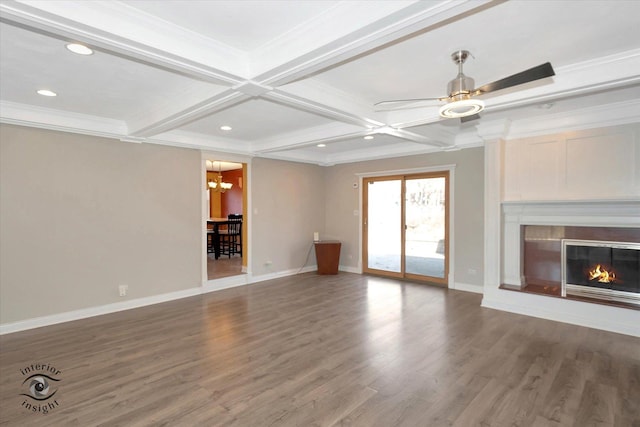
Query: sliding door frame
[(449, 281)]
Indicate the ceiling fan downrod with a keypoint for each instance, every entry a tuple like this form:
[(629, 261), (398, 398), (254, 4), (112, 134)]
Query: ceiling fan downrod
[(461, 86)]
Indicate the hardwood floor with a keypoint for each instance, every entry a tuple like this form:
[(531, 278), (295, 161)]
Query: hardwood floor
[(223, 266), (309, 350)]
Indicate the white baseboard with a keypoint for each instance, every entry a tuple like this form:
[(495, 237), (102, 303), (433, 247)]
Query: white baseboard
[(284, 273), (348, 269), (83, 313), (596, 320), (477, 289), (210, 286), (225, 283)]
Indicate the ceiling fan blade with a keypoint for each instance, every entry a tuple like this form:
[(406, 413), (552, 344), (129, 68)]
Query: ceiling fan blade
[(469, 118), (399, 101), (530, 75)]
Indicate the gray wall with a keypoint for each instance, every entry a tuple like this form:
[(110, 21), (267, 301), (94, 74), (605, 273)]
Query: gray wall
[(80, 215), (288, 206), (342, 199)]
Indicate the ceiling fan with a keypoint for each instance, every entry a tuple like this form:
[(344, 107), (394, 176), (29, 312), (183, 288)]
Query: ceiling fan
[(461, 102)]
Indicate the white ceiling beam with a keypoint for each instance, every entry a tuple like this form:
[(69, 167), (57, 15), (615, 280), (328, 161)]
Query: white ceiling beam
[(209, 106), (348, 30), (321, 109), (314, 142), (414, 137), (308, 137), (117, 28), (324, 94), (392, 150)]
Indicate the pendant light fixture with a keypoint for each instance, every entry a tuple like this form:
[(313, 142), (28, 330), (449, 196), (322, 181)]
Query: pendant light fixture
[(218, 184)]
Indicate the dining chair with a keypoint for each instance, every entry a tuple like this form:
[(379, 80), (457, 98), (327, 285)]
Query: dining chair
[(231, 238), (210, 236)]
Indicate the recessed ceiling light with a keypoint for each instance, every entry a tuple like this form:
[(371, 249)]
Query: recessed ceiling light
[(321, 145), (225, 127), (80, 49), (46, 92), (368, 137)]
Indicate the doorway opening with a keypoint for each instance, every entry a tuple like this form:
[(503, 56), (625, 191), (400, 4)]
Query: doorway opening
[(226, 218), (406, 226)]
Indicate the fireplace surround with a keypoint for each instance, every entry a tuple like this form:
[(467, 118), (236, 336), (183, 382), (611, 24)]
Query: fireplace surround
[(537, 230)]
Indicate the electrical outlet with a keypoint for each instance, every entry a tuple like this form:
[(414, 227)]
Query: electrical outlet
[(268, 263), (123, 289), (472, 271)]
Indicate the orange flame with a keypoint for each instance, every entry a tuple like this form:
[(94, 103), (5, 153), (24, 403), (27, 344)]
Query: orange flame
[(601, 275)]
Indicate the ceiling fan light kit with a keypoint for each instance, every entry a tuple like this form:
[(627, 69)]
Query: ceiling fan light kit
[(463, 108)]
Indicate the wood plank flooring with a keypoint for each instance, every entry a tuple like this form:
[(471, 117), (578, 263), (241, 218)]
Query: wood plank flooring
[(223, 266), (309, 350)]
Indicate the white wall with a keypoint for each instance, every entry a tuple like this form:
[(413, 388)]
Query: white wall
[(588, 165)]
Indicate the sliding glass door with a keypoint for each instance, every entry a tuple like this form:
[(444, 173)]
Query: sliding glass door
[(383, 221), (405, 226)]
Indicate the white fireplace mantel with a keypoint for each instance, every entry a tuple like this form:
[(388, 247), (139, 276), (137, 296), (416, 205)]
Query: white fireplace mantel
[(595, 213)]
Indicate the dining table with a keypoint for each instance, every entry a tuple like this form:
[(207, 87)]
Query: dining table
[(215, 224)]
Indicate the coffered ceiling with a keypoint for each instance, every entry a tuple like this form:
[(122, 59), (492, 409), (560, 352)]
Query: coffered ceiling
[(287, 76)]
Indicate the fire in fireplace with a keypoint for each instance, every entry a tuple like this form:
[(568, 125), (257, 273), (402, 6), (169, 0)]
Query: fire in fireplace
[(600, 269), (602, 275)]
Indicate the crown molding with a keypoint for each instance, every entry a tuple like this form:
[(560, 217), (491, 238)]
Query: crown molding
[(185, 139), (58, 120), (588, 118), (614, 114)]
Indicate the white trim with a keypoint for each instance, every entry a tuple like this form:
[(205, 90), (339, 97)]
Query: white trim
[(608, 321), (83, 313), (284, 273), (209, 286), (466, 287), (246, 251), (349, 269), (438, 168), (226, 283)]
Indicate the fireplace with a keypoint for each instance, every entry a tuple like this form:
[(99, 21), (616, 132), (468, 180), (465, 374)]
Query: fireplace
[(605, 270)]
